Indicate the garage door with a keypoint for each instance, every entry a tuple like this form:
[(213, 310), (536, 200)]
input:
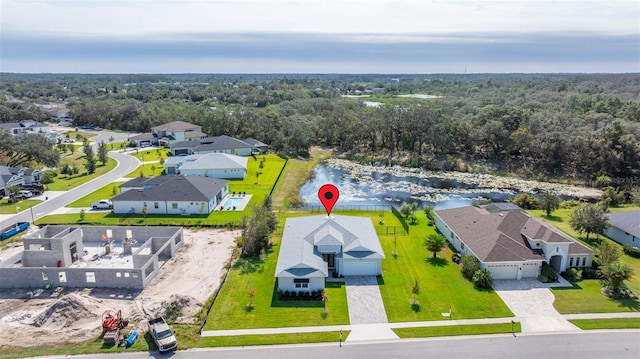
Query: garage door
[(530, 270), (503, 271), (360, 268)]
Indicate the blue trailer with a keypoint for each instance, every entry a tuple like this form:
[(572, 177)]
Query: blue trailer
[(13, 229)]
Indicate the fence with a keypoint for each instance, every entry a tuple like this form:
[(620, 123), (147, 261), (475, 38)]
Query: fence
[(400, 218)]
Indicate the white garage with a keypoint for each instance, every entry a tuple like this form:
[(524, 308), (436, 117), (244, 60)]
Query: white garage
[(530, 270), (503, 271), (361, 267)]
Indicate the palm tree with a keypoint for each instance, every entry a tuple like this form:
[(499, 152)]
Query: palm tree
[(615, 274), (435, 242)]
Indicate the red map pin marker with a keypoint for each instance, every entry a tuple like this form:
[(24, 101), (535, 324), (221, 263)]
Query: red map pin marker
[(328, 195)]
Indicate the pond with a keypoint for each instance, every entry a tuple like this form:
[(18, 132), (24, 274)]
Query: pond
[(383, 189), (370, 185)]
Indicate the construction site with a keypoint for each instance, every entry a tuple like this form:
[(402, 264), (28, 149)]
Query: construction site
[(112, 278)]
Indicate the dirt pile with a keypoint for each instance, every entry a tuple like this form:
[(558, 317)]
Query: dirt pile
[(64, 313)]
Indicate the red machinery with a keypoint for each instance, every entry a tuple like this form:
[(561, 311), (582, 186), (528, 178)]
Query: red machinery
[(112, 322)]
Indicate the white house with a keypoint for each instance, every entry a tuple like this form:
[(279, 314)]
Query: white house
[(170, 195), (624, 228), (215, 165), (313, 247), (17, 176), (510, 243)]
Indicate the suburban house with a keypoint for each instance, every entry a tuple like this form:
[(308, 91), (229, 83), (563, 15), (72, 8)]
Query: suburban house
[(176, 131), (217, 144), (25, 127), (624, 228), (17, 176), (314, 247), (142, 140), (510, 243), (258, 145), (170, 195), (215, 165), (91, 257)]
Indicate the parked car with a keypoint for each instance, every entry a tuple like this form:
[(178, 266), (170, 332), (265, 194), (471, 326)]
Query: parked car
[(68, 140), (102, 204), (86, 127), (24, 194)]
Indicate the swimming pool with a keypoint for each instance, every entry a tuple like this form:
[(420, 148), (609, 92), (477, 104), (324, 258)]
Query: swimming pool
[(233, 202)]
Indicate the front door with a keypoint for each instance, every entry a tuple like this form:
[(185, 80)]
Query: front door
[(330, 258)]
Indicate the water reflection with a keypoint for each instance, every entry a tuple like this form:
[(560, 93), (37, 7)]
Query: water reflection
[(383, 188)]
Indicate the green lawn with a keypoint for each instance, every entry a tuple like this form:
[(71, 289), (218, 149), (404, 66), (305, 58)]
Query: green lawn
[(13, 208), (230, 308), (609, 323), (453, 330), (66, 182), (585, 297), (272, 339), (441, 283), (597, 303)]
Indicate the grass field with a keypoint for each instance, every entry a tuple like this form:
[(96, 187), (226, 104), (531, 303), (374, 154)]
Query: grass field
[(609, 323), (66, 182), (13, 208), (454, 330)]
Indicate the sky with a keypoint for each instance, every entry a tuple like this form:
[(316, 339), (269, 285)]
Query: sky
[(319, 36)]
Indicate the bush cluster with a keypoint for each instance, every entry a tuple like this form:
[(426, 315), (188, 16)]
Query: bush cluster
[(631, 251), (300, 295)]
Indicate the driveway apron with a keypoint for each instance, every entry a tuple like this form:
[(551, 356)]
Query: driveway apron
[(532, 302), (366, 309)]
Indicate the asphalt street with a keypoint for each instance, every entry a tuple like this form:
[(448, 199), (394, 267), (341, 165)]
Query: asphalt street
[(619, 344), (126, 164)]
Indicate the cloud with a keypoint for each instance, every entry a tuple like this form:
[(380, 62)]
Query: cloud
[(335, 52), (319, 36)]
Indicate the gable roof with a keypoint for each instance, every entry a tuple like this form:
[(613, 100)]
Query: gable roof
[(171, 188), (220, 143), (502, 236), (253, 142), (356, 235), (176, 126), (628, 222)]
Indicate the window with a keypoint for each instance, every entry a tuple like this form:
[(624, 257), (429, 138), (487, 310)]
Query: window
[(571, 262), (134, 275), (45, 276), (62, 277), (301, 283), (91, 277), (118, 274), (126, 274), (174, 205), (155, 205), (462, 246), (584, 261)]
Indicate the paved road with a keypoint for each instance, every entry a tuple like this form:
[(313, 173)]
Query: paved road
[(583, 345), (125, 165)]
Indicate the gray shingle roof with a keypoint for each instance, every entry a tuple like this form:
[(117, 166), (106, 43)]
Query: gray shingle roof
[(500, 236), (297, 251), (172, 188), (628, 222), (175, 126)]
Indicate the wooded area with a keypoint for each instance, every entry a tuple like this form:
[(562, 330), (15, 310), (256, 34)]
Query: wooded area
[(535, 125)]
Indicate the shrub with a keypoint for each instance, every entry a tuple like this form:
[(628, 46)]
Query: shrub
[(470, 265), (543, 278), (631, 251), (571, 275), (549, 272), (482, 279), (590, 273)]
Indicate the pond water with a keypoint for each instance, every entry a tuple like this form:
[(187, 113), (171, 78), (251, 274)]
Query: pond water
[(381, 188)]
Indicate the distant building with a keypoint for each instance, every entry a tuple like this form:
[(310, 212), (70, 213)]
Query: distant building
[(624, 228), (217, 144), (177, 131)]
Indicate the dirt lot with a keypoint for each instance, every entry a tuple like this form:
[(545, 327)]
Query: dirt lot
[(186, 281)]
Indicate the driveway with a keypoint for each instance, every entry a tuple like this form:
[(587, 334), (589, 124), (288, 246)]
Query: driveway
[(532, 302), (366, 310)]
